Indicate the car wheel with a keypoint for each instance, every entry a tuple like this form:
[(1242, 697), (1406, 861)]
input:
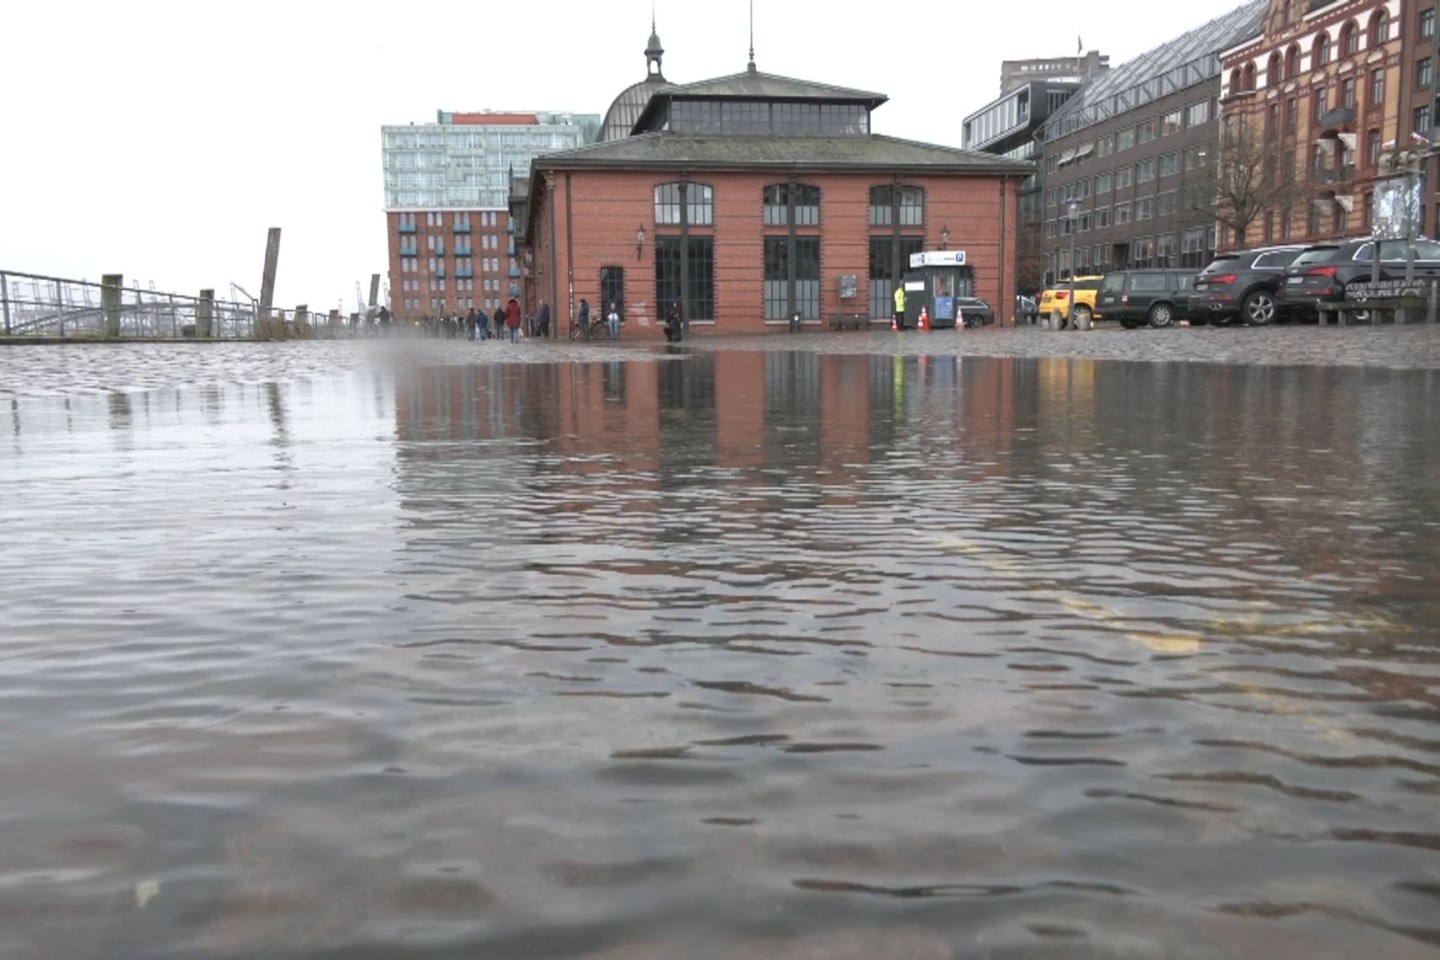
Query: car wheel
[(1258, 309), (1161, 315), (1082, 317)]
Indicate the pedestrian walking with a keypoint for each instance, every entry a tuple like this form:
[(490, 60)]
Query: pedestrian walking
[(900, 307), (472, 324), (612, 320), (512, 319), (584, 318), (544, 319), (500, 317)]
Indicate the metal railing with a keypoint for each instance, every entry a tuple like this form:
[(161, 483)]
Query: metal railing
[(33, 305)]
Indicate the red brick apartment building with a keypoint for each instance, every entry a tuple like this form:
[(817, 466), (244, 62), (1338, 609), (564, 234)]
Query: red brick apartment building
[(1324, 96)]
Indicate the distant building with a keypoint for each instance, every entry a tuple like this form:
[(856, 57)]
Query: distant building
[(446, 204), (1077, 69), (1135, 151), (1012, 127)]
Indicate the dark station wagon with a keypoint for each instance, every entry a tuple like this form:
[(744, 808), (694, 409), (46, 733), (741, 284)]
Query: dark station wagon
[(1133, 297)]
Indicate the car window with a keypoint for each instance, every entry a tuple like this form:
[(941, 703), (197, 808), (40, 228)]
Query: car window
[(1147, 282), (1277, 258), (1427, 250), (1366, 251), (1315, 255), (1181, 281), (1113, 283), (1091, 284), (1221, 264)]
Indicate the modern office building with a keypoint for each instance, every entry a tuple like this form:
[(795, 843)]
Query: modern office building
[(1130, 159), (1321, 99), (741, 199), (446, 204), (1013, 126)]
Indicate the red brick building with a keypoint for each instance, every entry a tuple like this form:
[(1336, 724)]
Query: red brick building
[(750, 197)]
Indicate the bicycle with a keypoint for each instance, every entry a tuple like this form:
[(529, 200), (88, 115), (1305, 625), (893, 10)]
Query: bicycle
[(586, 330)]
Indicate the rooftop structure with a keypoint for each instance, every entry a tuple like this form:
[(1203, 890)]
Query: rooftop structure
[(1079, 69), (1190, 59)]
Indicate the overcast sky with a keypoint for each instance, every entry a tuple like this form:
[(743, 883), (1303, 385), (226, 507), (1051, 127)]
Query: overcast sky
[(161, 139)]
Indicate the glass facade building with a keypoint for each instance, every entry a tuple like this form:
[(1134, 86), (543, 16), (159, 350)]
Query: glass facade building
[(463, 161)]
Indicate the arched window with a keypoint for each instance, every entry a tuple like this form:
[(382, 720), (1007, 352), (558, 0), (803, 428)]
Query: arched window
[(1292, 61), (1349, 39), (1320, 51), (1273, 71), (1250, 76), (882, 202), (1379, 27), (700, 204), (776, 202), (1237, 81)]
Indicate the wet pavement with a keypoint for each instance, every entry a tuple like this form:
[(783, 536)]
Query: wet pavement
[(992, 644)]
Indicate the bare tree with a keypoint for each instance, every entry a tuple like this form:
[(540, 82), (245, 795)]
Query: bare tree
[(1253, 177)]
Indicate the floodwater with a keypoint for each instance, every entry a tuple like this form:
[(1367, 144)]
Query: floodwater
[(827, 653)]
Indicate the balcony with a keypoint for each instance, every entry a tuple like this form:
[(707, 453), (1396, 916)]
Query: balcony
[(439, 250), (462, 228), (440, 273), (411, 251), (463, 251), (1337, 117), (407, 228), (1340, 174)]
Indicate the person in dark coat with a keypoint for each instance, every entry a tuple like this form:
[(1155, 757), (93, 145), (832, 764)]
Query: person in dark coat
[(672, 324), (512, 319), (499, 319), (542, 320), (583, 318)]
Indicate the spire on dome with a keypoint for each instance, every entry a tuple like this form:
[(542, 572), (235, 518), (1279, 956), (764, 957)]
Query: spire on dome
[(653, 50)]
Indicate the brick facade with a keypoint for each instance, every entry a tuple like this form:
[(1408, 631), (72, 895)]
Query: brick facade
[(465, 267), (1323, 86), (584, 220)]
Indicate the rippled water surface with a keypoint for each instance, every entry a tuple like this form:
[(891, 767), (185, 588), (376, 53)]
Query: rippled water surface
[(816, 654)]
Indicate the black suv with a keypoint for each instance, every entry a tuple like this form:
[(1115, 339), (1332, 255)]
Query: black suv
[(1156, 297), (1242, 284), (1321, 273)]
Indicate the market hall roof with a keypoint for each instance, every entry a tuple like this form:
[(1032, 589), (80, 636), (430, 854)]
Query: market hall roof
[(757, 151), (754, 85)]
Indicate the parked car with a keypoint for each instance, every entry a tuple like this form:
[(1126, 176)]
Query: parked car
[(976, 312), (1322, 272), (1242, 285), (1156, 297), (1057, 299)]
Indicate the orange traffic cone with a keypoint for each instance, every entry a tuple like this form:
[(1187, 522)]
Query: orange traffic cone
[(959, 319), (893, 325), (924, 323)]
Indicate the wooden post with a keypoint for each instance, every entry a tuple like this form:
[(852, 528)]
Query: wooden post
[(111, 285), (205, 314)]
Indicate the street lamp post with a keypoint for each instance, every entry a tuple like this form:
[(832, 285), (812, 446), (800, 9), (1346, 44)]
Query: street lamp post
[(1072, 212)]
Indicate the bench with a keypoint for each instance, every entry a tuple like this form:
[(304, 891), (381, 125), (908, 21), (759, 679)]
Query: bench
[(842, 321)]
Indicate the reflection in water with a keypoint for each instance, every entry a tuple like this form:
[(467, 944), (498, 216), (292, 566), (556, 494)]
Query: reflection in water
[(730, 654)]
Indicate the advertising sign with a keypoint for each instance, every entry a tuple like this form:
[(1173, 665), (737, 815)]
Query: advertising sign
[(937, 258)]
